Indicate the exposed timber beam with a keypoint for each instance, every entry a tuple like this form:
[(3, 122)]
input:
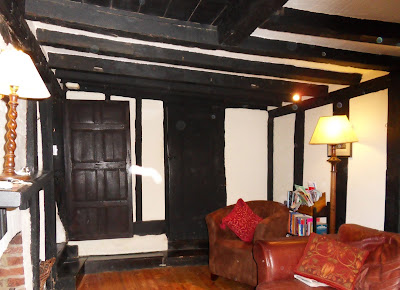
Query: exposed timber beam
[(363, 88), (333, 26), (119, 22), (81, 63), (242, 17), (155, 89), (20, 36), (188, 88), (91, 18), (171, 56)]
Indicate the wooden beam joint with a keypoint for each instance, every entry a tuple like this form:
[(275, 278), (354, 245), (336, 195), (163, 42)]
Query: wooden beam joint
[(242, 17)]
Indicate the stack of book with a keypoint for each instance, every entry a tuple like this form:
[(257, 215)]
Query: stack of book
[(300, 224)]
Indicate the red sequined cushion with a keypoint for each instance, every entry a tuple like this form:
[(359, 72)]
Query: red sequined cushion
[(331, 262), (242, 221)]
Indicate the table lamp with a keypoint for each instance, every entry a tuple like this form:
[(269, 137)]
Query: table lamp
[(333, 130), (19, 78)]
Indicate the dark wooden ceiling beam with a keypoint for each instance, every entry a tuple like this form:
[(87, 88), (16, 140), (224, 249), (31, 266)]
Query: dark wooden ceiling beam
[(20, 36), (158, 89), (119, 22), (361, 89), (157, 54), (122, 23), (315, 53), (333, 26), (242, 17), (190, 88), (81, 63)]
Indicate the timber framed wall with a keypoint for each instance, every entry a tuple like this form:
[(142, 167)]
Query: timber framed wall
[(340, 101)]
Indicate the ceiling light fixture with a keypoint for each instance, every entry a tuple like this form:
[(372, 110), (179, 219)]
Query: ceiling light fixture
[(296, 97)]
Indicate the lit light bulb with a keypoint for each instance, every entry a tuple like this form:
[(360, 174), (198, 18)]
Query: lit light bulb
[(296, 97)]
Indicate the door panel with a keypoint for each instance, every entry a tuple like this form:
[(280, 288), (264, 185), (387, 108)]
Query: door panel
[(99, 197), (195, 141)]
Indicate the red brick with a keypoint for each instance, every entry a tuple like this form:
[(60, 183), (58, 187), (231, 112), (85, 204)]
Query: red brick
[(11, 272), (15, 282), (17, 240), (15, 261), (13, 249)]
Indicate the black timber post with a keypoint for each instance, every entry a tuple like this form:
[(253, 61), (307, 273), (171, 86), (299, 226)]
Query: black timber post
[(32, 163), (46, 115), (31, 137), (138, 153), (166, 166), (341, 108), (35, 239), (392, 200), (299, 147), (58, 158), (270, 173)]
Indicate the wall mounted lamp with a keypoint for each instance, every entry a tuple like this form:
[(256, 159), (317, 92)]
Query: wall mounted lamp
[(19, 78), (333, 130)]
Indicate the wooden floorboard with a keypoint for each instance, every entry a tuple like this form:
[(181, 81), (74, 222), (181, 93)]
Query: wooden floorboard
[(187, 277)]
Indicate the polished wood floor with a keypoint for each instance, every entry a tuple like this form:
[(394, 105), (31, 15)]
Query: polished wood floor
[(188, 277)]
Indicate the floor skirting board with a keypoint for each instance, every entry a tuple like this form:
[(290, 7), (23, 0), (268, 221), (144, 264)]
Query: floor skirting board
[(98, 264)]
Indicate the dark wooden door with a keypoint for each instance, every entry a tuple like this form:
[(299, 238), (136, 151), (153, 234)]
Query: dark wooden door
[(99, 195), (195, 140)]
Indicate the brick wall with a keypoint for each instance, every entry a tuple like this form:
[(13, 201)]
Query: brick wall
[(11, 265)]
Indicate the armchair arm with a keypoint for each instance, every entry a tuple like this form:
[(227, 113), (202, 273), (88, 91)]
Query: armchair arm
[(213, 221), (274, 226), (276, 260)]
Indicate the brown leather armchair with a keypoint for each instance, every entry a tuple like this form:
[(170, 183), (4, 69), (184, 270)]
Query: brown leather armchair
[(232, 258), (276, 260)]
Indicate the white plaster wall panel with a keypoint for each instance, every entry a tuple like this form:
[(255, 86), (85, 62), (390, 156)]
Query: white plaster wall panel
[(316, 168), (246, 148), (137, 244), (367, 169), (60, 230), (283, 156), (153, 190), (132, 118), (81, 95)]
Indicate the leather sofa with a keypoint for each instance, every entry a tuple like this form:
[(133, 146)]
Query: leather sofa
[(276, 260), (232, 258)]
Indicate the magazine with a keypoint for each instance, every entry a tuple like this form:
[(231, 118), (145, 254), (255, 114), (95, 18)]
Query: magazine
[(310, 282)]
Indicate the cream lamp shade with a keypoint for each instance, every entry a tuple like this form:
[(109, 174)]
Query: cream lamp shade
[(17, 69), (333, 130)]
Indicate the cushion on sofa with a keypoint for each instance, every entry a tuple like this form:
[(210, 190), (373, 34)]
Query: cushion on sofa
[(242, 221), (331, 262)]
